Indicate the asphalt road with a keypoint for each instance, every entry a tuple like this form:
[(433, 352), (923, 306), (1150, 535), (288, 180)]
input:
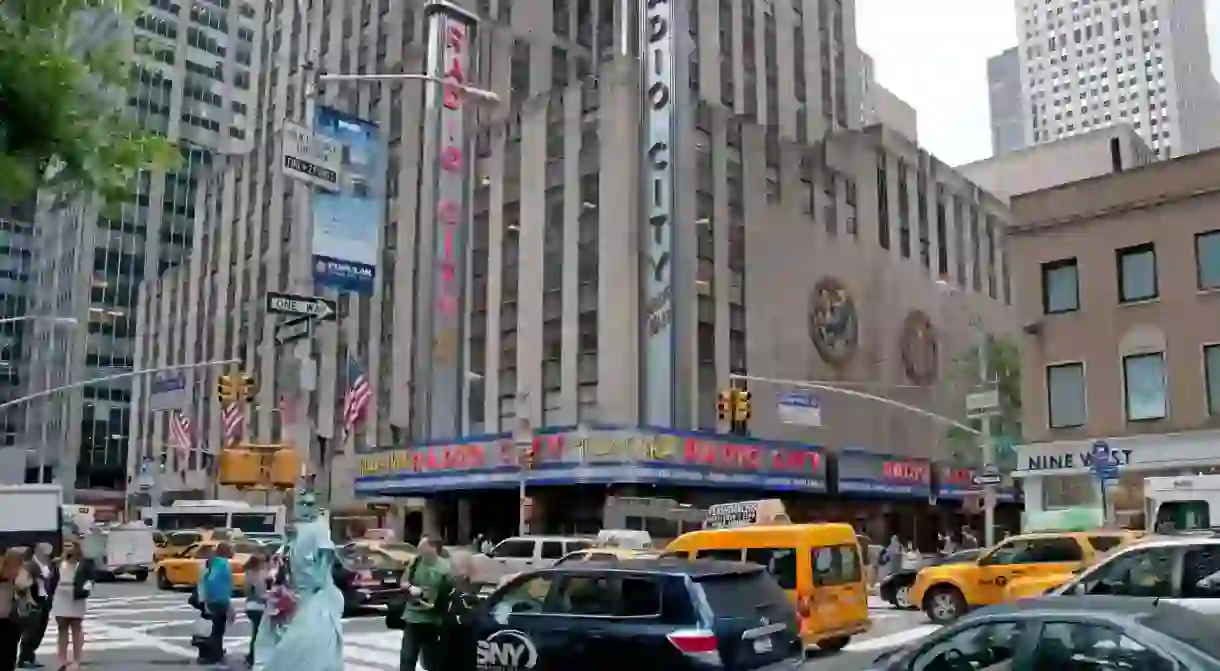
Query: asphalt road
[(135, 627)]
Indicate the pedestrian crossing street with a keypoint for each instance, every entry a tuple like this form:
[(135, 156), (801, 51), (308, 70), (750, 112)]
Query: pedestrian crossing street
[(160, 625)]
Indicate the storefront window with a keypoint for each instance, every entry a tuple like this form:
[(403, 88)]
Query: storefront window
[(1069, 491)]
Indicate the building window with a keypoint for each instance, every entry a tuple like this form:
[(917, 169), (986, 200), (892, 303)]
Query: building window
[(1207, 259), (1137, 273), (1144, 386), (1211, 372), (1065, 395), (1060, 287)]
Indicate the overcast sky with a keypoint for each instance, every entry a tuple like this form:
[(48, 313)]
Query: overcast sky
[(933, 54)]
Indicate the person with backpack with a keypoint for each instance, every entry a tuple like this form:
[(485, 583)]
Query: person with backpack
[(215, 597), (427, 586)]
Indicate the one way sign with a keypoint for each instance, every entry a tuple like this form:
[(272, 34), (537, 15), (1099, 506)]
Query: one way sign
[(314, 307)]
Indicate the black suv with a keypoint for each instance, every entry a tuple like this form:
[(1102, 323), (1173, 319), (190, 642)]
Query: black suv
[(639, 615)]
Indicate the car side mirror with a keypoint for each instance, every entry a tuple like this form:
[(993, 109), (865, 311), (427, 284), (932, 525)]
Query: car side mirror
[(1078, 589)]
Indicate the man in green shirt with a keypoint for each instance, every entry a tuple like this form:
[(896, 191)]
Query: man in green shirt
[(427, 583)]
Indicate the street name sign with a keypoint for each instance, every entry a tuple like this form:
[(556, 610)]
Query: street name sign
[(308, 157), (293, 330), (312, 307)]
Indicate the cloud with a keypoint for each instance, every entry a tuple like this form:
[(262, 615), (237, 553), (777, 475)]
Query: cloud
[(933, 54)]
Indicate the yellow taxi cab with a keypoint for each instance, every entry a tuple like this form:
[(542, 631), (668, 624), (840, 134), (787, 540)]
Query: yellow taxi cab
[(947, 592), (819, 565), (396, 550), (185, 568), (1037, 585), (606, 554), (176, 542)]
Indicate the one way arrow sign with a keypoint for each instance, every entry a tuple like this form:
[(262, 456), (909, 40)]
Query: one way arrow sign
[(314, 307)]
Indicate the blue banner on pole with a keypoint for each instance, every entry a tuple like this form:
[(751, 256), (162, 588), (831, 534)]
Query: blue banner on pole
[(346, 225)]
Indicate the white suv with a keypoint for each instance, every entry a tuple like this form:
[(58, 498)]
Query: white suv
[(1184, 570), (523, 553)]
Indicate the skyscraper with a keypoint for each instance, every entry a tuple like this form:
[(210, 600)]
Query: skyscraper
[(1004, 101), (191, 83), (1089, 63)]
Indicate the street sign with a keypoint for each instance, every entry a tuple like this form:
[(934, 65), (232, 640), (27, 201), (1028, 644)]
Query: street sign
[(311, 158), (982, 403), (1104, 466), (984, 479), (313, 307), (293, 330), (798, 407)]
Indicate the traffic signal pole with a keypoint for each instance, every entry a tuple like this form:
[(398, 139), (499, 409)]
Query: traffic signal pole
[(837, 388), (118, 376)]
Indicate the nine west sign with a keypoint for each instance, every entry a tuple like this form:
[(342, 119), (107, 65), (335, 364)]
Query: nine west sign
[(1072, 460)]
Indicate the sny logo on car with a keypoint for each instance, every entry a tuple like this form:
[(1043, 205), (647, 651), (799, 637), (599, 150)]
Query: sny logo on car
[(506, 650)]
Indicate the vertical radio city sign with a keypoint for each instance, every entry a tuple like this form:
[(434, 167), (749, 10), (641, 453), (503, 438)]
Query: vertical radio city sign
[(657, 194), (451, 33)]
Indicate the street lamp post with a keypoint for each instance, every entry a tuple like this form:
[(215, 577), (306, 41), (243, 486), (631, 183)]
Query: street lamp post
[(312, 80), (67, 321)]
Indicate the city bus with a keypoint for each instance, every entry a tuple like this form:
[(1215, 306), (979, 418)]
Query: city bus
[(239, 515)]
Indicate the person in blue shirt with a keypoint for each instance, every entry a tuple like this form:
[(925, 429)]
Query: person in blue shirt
[(215, 595)]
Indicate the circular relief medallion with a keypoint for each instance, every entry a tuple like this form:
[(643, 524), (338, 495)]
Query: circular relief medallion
[(920, 351), (834, 325)]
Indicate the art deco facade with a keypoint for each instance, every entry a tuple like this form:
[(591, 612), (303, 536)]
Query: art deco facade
[(786, 194)]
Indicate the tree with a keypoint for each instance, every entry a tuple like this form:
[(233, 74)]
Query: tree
[(65, 71), (1004, 361)]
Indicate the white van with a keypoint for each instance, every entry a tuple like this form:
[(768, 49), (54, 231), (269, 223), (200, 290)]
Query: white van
[(128, 550)]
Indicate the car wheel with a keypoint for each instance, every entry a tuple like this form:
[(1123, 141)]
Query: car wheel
[(163, 581), (944, 604), (834, 644), (902, 598), (141, 576)]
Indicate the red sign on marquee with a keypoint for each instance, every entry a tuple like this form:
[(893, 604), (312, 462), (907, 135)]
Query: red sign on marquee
[(956, 477), (749, 457), (906, 471)]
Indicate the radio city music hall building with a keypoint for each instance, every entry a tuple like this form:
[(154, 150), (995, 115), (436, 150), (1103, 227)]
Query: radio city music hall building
[(628, 243)]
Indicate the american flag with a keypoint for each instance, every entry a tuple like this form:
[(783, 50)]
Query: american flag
[(232, 421), (180, 428), (359, 393)]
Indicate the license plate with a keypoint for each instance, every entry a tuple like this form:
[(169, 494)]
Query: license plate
[(762, 645), (389, 581)]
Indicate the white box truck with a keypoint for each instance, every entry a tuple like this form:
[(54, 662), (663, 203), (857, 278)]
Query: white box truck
[(32, 514)]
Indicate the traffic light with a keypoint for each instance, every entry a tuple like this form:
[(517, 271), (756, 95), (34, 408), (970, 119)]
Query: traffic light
[(248, 389), (285, 468), (240, 467), (272, 466), (226, 389), (726, 404), (741, 407)]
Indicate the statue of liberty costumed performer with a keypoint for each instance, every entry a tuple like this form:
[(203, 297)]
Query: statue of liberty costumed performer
[(303, 626)]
